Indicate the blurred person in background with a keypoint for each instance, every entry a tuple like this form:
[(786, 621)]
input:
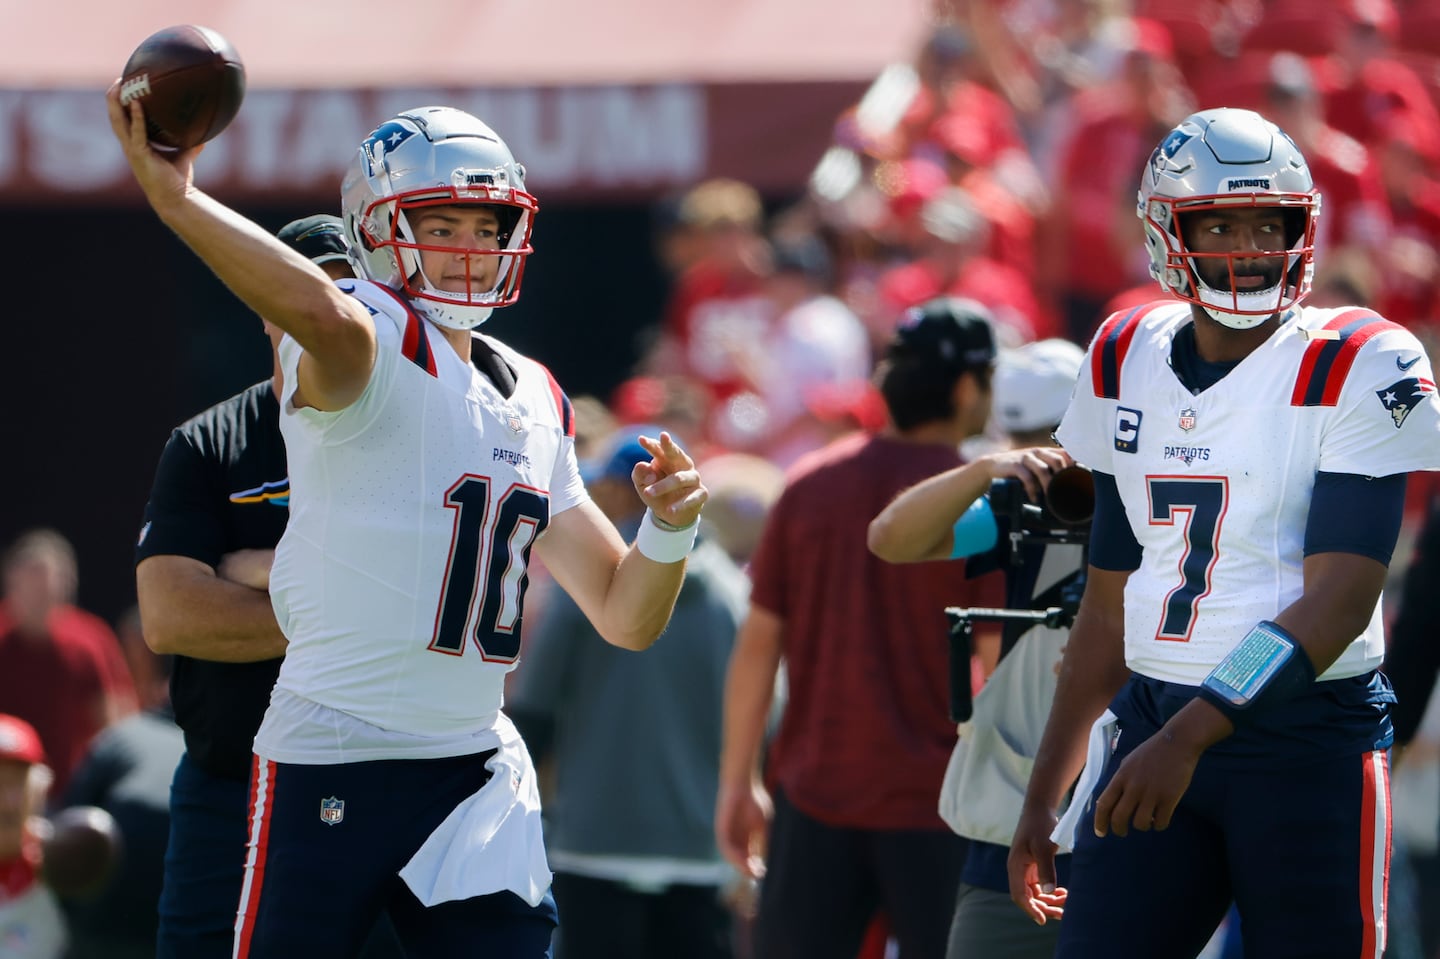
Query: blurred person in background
[(841, 822), (593, 425), (127, 772), (949, 516), (946, 254), (151, 673), (61, 668), (1089, 240), (716, 307), (629, 832), (218, 505), (32, 925), (812, 342), (1356, 216), (677, 402), (1365, 82), (1409, 164), (742, 491)]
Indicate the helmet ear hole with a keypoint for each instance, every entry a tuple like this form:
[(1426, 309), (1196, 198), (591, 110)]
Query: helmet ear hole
[(1296, 222), (1181, 228), (509, 217)]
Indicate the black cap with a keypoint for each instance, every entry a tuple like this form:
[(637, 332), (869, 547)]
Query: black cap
[(951, 331), (319, 238)]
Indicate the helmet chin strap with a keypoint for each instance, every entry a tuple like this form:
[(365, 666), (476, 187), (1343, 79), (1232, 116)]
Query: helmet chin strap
[(437, 306), (451, 316), (1220, 305)]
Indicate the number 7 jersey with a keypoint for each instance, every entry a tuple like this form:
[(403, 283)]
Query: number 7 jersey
[(1217, 485)]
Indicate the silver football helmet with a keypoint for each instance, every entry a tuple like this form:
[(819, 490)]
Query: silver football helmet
[(429, 157), (1224, 158)]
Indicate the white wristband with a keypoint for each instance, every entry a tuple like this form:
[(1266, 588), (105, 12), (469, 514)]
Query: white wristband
[(664, 546)]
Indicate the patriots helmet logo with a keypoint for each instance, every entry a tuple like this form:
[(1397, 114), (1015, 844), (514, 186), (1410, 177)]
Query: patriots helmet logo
[(1177, 139), (1403, 396), (384, 139)]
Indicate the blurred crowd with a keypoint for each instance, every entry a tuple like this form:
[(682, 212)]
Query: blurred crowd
[(999, 165)]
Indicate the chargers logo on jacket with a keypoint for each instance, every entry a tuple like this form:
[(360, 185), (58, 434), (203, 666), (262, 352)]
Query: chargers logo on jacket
[(1403, 396)]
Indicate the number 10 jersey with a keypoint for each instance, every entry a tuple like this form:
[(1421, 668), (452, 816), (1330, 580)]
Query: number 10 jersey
[(400, 579)]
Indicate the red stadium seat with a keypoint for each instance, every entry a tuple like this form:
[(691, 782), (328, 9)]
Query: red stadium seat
[(1426, 65), (1306, 27), (1233, 82), (1420, 27), (1190, 25)]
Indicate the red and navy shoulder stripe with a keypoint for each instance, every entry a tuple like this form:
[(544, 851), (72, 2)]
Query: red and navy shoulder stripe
[(1112, 343), (1331, 353), (562, 403), (416, 342)]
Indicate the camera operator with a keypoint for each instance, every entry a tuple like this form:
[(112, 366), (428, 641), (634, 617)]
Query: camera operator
[(971, 512)]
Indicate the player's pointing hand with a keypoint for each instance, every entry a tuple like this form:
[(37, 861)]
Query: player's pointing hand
[(669, 484)]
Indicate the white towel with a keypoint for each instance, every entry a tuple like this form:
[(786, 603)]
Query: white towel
[(492, 841), (1097, 753)]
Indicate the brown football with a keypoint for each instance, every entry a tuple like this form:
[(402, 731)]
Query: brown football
[(190, 82), (79, 851)]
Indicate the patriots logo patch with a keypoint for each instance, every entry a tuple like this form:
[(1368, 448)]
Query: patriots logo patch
[(1401, 397)]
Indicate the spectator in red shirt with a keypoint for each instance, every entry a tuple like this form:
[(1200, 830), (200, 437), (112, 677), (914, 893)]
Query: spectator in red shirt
[(32, 925), (1408, 160), (856, 765), (1087, 245), (950, 259), (1365, 86), (1355, 214), (717, 305), (61, 668)]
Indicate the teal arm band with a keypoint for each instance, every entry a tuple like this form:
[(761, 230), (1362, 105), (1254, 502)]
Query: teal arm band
[(1266, 668), (975, 531)]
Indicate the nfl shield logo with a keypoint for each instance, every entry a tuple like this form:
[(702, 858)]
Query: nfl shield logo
[(513, 421), (1187, 420), (332, 810)]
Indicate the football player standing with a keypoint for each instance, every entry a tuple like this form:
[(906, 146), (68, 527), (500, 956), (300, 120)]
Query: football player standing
[(1250, 456)]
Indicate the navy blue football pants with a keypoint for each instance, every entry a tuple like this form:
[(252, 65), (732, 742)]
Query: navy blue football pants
[(204, 866), (1302, 849), (323, 874)]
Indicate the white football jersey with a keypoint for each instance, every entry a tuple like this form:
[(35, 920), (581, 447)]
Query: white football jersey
[(400, 579), (1217, 486)]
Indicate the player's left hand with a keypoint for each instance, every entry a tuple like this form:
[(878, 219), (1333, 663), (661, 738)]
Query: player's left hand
[(669, 484), (1147, 787)]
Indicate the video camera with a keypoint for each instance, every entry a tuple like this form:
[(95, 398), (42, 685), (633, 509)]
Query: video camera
[(1061, 518)]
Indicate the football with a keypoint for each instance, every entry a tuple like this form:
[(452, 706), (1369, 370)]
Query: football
[(190, 82), (80, 847)]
